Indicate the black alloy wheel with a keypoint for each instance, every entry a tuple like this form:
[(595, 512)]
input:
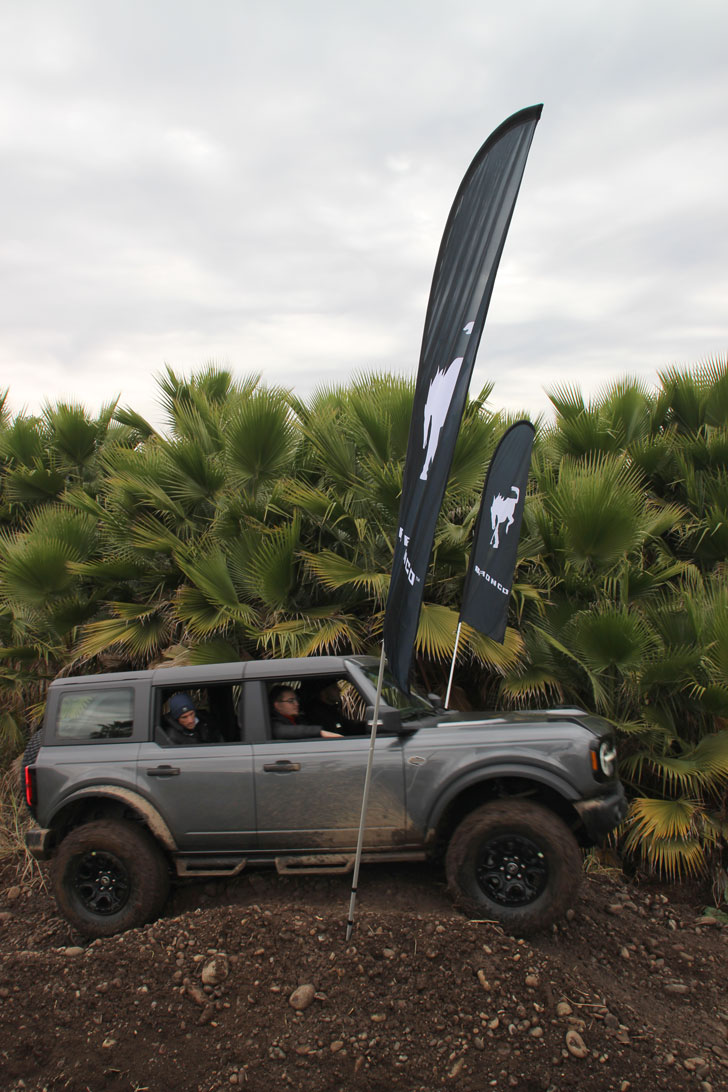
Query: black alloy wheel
[(512, 870), (101, 882)]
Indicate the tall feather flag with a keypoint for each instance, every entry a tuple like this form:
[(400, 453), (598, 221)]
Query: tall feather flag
[(462, 286), (495, 542)]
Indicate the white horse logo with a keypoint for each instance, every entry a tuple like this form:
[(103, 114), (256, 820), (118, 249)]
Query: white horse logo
[(438, 402), (501, 511)]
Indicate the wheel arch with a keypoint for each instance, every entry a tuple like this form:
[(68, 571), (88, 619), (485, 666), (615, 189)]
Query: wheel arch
[(111, 801), (466, 794)]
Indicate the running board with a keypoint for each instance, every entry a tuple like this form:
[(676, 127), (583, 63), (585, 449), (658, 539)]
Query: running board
[(209, 866), (318, 863), (338, 863)]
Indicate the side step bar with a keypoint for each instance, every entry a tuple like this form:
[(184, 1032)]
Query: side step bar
[(320, 863), (304, 864), (209, 866)]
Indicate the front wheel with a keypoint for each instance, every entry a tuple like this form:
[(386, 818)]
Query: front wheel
[(109, 876), (514, 862)]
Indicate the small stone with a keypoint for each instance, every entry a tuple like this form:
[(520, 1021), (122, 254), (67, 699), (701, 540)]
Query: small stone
[(575, 1044), (378, 1017), (336, 1046), (389, 953), (215, 970), (615, 908), (624, 953), (13, 893), (302, 997), (196, 994), (454, 1072), (108, 1043), (483, 981), (691, 1064), (532, 981), (74, 951), (676, 987), (536, 1033), (564, 1009)]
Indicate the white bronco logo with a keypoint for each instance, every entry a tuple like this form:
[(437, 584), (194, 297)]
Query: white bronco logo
[(438, 402), (501, 511)]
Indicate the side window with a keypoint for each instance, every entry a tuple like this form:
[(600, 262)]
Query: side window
[(96, 714), (214, 718), (316, 707)]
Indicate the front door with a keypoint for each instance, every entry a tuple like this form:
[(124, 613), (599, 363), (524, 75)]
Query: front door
[(309, 794)]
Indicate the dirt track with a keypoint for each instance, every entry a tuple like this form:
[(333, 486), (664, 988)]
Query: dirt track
[(628, 995)]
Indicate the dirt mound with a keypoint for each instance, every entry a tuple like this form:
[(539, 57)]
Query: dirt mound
[(251, 984)]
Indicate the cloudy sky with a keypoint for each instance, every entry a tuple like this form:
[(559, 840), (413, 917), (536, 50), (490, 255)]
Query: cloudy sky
[(265, 185)]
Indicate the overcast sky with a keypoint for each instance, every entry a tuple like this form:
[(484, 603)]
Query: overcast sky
[(265, 185)]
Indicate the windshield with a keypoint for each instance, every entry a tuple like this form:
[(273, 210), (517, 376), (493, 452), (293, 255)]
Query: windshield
[(409, 705)]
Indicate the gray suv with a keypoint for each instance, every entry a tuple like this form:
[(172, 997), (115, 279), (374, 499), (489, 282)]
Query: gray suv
[(122, 806)]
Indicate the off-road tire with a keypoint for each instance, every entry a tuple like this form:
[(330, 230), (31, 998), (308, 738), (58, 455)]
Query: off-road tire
[(514, 862), (108, 876)]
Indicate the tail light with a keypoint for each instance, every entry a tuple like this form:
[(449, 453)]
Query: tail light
[(31, 789)]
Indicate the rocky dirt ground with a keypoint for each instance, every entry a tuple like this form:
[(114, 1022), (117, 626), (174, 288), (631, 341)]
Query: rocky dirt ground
[(251, 984)]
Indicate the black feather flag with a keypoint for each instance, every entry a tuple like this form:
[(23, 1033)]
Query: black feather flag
[(462, 285)]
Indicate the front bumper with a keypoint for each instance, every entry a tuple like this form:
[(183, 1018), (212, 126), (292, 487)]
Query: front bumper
[(39, 842), (602, 814)]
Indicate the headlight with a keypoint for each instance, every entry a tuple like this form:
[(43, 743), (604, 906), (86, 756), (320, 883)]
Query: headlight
[(607, 757)]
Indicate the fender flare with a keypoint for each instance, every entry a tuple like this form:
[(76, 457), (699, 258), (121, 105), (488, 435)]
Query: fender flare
[(483, 774), (132, 799)]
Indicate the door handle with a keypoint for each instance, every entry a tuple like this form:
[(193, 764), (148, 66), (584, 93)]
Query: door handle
[(283, 766), (163, 771)]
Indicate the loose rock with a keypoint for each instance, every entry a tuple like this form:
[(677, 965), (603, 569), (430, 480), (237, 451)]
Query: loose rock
[(302, 997)]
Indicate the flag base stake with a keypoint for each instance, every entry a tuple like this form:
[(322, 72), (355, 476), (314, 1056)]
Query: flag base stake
[(365, 798)]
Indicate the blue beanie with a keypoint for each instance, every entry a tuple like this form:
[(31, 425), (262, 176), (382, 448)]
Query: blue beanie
[(179, 704)]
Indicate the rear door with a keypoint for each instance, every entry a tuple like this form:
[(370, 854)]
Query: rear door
[(204, 791)]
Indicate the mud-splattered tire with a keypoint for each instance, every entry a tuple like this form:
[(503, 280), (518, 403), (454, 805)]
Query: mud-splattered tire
[(109, 876), (516, 863)]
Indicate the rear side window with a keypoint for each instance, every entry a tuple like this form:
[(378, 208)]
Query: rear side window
[(96, 714)]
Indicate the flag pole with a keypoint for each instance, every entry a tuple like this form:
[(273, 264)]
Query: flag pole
[(452, 665), (365, 797)]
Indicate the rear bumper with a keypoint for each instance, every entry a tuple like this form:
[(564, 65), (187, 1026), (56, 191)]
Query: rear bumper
[(39, 842), (602, 814)]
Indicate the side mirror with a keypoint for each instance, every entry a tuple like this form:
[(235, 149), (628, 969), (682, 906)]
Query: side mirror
[(389, 720)]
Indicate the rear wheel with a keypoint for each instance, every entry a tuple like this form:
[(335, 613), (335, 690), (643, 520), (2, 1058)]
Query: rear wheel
[(516, 863), (109, 876)]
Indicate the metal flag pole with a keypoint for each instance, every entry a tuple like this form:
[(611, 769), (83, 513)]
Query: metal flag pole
[(452, 665), (365, 798)]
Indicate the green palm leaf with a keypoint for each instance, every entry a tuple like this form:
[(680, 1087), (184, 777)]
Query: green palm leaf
[(665, 834)]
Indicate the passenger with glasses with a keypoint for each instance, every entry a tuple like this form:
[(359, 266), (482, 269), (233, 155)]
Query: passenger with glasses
[(286, 719)]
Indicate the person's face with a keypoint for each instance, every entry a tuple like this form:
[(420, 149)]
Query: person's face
[(287, 704), (187, 720)]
